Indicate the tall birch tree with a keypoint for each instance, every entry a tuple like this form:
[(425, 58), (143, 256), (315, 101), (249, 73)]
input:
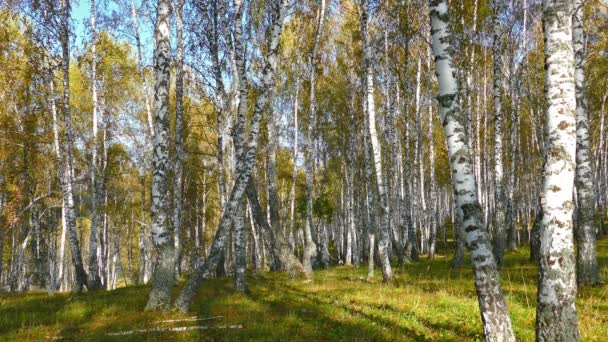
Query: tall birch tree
[(94, 280), (80, 275), (310, 248), (164, 272), (556, 316), (586, 259), (243, 174), (499, 182), (370, 110), (492, 304)]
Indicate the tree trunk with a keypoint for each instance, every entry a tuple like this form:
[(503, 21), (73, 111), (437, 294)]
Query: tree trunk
[(178, 168), (243, 174), (68, 179), (280, 247), (492, 304), (586, 259), (140, 65), (556, 317), (294, 176), (370, 110), (310, 249), (94, 281), (499, 194), (163, 278)]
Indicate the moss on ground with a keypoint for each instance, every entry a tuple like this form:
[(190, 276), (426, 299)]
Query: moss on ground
[(428, 301)]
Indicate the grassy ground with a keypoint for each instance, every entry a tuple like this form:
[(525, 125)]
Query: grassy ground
[(427, 302)]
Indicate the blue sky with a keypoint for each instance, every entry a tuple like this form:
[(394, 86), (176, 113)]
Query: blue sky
[(81, 18)]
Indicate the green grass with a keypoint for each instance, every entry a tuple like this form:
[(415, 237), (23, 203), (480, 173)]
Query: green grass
[(428, 301)]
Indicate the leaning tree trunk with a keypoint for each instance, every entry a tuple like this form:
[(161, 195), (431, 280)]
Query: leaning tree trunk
[(556, 317), (280, 246), (80, 275), (163, 278), (586, 259), (492, 304), (243, 174), (383, 243)]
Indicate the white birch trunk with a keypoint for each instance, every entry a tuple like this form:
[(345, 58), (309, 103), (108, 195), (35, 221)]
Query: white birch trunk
[(310, 249), (94, 280), (243, 175), (556, 317), (383, 243), (500, 194), (163, 278), (492, 304), (586, 258), (68, 179)]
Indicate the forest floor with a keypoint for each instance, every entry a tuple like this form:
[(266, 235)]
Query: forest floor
[(428, 301)]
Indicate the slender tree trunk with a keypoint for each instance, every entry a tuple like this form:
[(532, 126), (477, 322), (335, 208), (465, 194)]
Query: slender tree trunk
[(310, 249), (556, 317), (294, 177), (68, 179), (271, 173), (243, 175), (586, 258), (432, 192), (492, 304), (140, 64), (178, 168), (240, 250), (499, 194), (383, 243), (94, 281), (61, 174), (163, 278)]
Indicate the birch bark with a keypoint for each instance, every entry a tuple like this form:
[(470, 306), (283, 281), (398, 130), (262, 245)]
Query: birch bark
[(586, 258), (499, 194), (310, 249), (370, 110), (556, 317), (243, 174), (492, 304), (94, 280), (163, 278), (80, 275)]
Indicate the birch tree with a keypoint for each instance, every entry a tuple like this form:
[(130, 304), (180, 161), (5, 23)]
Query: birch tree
[(178, 168), (243, 174), (492, 304), (310, 248), (94, 280), (586, 259), (164, 272), (370, 110), (67, 183), (556, 317), (500, 193)]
